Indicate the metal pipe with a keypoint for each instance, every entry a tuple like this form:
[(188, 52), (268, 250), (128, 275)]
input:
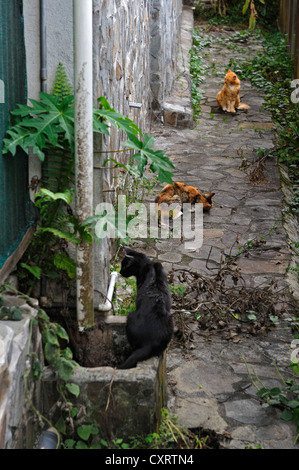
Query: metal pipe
[(43, 45), (49, 439), (83, 83), (108, 304), (43, 82)]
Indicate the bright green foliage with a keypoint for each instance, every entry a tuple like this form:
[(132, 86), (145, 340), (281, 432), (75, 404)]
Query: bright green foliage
[(197, 67), (253, 13), (272, 71), (48, 123), (236, 12), (56, 356), (63, 261), (144, 154), (47, 127), (62, 86), (286, 399)]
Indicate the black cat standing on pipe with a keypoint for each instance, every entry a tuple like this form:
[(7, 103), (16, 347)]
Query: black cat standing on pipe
[(149, 329)]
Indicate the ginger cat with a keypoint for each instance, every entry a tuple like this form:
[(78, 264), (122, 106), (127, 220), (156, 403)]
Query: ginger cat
[(180, 192), (228, 98)]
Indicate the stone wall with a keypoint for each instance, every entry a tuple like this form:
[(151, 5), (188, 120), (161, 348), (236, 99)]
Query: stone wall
[(135, 49), (165, 29)]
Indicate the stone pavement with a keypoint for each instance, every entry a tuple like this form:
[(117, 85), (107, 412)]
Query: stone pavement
[(209, 384)]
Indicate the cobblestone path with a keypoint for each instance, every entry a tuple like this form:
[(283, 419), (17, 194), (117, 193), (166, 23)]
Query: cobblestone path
[(209, 384)]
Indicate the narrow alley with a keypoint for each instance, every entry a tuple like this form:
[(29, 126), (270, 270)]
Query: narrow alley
[(212, 376)]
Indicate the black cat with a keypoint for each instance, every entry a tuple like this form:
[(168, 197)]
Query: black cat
[(150, 328)]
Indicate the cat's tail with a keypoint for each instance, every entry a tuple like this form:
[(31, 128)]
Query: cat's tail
[(139, 355), (243, 106)]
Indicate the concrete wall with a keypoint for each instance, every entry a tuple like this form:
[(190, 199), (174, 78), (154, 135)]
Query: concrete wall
[(17, 420), (59, 49), (122, 402), (59, 41)]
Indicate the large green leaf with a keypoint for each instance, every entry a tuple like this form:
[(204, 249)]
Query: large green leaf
[(70, 237), (156, 159), (64, 368), (86, 430), (34, 270), (66, 196), (106, 112), (42, 125)]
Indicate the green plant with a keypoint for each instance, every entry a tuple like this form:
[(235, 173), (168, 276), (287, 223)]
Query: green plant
[(271, 70), (286, 399), (125, 303), (236, 12), (57, 355), (49, 123), (10, 313), (85, 432), (47, 127), (170, 436), (177, 291), (197, 67), (249, 4), (47, 256), (62, 86)]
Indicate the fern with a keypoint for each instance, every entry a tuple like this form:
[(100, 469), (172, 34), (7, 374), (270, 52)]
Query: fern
[(62, 86), (58, 167)]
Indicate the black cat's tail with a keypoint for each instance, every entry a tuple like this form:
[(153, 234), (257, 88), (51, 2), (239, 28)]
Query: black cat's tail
[(138, 355)]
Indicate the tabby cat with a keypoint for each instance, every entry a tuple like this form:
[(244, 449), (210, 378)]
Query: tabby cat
[(228, 98), (182, 193), (150, 328)]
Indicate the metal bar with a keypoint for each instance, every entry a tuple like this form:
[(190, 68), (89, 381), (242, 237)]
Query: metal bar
[(84, 155), (43, 45)]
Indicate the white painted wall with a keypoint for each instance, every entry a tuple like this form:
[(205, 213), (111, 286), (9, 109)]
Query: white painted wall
[(59, 41), (59, 49)]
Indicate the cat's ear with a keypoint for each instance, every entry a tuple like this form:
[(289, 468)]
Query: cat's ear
[(209, 196), (129, 252), (229, 71)]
